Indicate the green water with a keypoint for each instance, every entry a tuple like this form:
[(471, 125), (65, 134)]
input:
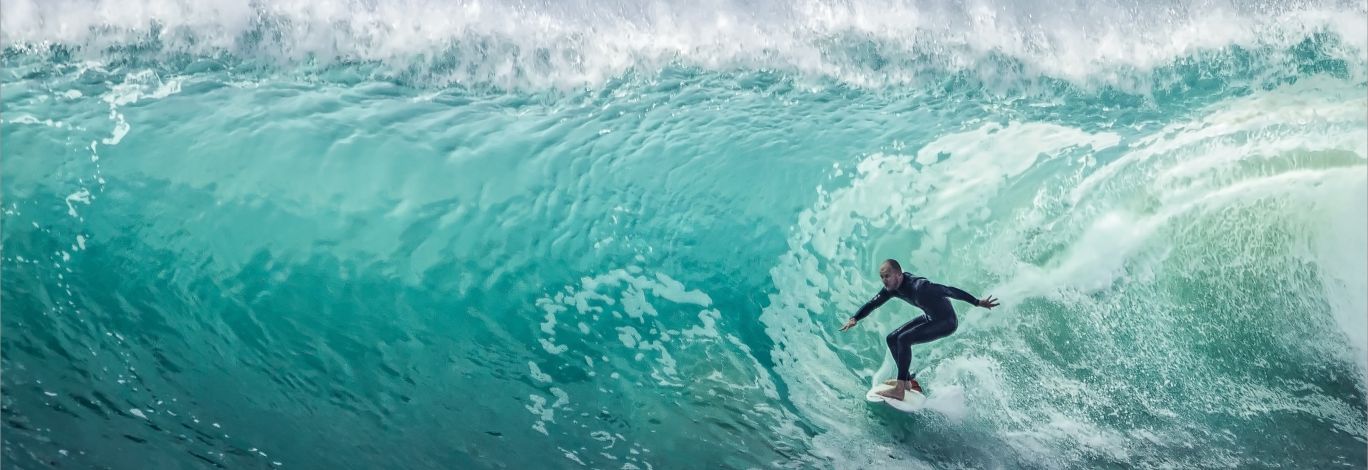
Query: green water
[(432, 235)]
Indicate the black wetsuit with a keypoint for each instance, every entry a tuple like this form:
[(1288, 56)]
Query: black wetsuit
[(937, 322)]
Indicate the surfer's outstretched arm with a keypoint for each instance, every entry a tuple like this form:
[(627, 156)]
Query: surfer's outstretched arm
[(872, 304), (868, 307), (959, 294)]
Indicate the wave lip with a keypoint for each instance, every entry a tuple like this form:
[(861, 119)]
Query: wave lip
[(864, 43)]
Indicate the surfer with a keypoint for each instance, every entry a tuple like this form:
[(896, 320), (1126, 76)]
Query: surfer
[(937, 322)]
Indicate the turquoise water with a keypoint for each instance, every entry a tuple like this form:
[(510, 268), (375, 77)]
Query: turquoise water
[(422, 234)]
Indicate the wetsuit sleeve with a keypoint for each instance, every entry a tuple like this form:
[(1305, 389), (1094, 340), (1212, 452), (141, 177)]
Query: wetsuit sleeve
[(956, 293), (872, 304)]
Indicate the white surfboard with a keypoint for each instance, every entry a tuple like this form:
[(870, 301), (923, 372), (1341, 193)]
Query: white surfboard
[(911, 402)]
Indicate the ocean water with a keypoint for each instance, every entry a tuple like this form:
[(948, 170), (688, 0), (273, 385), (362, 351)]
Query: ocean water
[(423, 234)]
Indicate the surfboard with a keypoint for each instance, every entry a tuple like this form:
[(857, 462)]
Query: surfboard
[(911, 402)]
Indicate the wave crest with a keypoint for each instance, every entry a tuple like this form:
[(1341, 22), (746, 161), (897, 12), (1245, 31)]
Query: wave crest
[(864, 43)]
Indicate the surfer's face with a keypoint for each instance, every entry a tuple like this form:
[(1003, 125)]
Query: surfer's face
[(891, 277)]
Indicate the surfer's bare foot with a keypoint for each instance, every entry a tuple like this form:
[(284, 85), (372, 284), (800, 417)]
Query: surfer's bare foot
[(895, 393), (891, 382)]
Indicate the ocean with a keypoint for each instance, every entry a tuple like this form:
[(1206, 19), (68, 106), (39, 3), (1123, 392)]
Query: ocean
[(451, 234)]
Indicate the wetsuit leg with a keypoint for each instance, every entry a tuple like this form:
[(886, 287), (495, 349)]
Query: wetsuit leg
[(902, 356), (939, 322)]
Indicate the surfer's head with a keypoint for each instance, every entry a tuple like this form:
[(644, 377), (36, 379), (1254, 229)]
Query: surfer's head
[(891, 273)]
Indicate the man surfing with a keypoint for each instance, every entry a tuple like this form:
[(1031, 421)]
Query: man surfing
[(937, 322)]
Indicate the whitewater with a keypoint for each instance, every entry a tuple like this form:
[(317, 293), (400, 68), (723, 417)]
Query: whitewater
[(607, 234)]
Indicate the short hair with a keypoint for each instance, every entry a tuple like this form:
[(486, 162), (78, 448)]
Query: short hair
[(892, 263)]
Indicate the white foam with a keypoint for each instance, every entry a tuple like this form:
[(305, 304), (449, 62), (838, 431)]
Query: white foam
[(537, 373), (80, 196), (628, 336), (578, 42), (539, 409)]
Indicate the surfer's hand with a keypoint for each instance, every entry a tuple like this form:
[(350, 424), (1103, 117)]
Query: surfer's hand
[(988, 302), (849, 324)]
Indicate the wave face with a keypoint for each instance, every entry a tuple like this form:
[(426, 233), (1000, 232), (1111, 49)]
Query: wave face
[(432, 234)]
